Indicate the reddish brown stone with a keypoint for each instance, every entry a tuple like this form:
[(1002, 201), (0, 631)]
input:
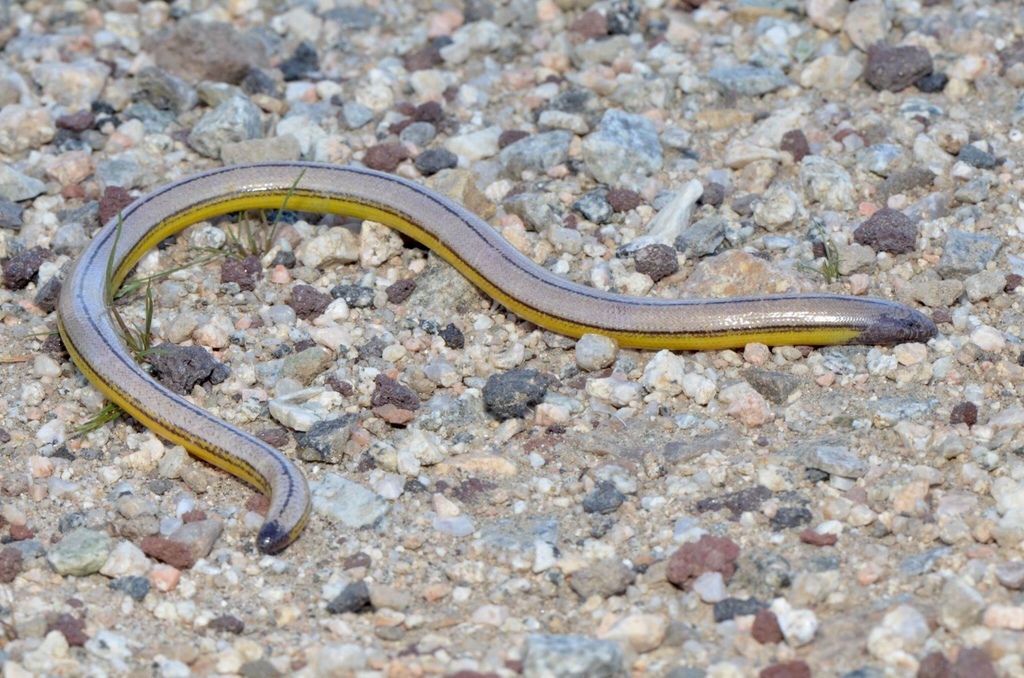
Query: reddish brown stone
[(766, 628), (113, 201), (307, 302), (76, 122), (710, 554), (10, 564), (193, 516), (275, 437), (795, 143), (393, 392), (510, 136), (973, 662), (71, 627), (228, 623), (257, 503), (429, 111), (935, 665), (21, 533), (173, 553), (360, 559), (385, 157), (888, 230), (623, 199), (813, 538), (794, 669), (243, 272), (964, 413), (590, 25), (395, 416), (400, 290), (21, 269), (428, 57), (657, 261)]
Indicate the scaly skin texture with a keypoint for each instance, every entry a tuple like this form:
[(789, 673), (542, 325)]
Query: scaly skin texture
[(461, 238)]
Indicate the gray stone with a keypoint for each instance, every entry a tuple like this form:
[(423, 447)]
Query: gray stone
[(854, 257), (325, 441), (356, 115), (353, 598), (15, 186), (595, 352), (511, 394), (961, 605), (354, 18), (281, 148), (605, 498), (198, 536), (762, 573), (594, 206), (966, 253), (984, 285), (551, 656), (749, 81), (164, 91), (606, 578), (418, 134), (237, 119), (837, 461), (623, 144), (1011, 574), (837, 359), (974, 191), (923, 563), (346, 502), (520, 535), (826, 182), (934, 293), (702, 238), (10, 214), (974, 156), (533, 209), (536, 153), (81, 552), (774, 386), (880, 159), (442, 290), (70, 239), (124, 171)]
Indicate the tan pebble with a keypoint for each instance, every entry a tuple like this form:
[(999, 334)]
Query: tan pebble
[(643, 632), (444, 22), (859, 283), (286, 614), (756, 354), (826, 379), (1004, 617), (280, 275), (911, 498), (752, 410), (487, 464), (547, 11), (388, 618), (869, 573), (40, 467), (445, 507), (436, 592), (910, 354), (548, 414), (164, 577)]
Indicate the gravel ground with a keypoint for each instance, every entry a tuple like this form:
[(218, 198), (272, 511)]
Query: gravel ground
[(491, 499)]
